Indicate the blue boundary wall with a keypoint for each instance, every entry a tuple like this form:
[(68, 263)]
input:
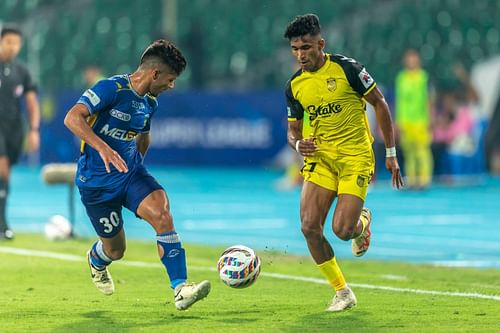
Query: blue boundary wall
[(200, 128), (194, 128)]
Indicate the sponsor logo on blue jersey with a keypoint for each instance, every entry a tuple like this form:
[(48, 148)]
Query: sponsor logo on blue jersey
[(118, 133), (139, 106), (119, 115)]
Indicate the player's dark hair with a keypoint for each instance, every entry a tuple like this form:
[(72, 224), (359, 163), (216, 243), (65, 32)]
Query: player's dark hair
[(303, 25), (10, 29), (167, 53)]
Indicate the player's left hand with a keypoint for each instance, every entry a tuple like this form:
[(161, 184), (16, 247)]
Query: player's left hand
[(33, 140), (391, 163)]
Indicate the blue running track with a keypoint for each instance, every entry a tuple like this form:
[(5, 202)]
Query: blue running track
[(456, 226)]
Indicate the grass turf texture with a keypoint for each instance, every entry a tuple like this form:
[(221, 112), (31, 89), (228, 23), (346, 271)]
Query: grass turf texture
[(39, 294)]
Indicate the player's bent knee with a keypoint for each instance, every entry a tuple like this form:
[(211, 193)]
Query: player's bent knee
[(310, 230), (162, 221), (343, 231)]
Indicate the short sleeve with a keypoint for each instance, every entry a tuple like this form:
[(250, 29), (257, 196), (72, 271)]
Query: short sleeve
[(28, 83), (99, 97), (357, 75), (294, 108), (147, 125)]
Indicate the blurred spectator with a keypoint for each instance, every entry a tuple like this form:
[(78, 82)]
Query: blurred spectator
[(292, 164), (492, 141), (412, 118), (92, 74), (453, 125)]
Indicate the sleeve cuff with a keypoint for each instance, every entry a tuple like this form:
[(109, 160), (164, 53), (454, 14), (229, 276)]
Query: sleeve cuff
[(370, 89)]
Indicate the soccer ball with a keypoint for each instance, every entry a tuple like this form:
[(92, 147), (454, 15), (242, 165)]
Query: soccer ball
[(238, 266), (58, 228)]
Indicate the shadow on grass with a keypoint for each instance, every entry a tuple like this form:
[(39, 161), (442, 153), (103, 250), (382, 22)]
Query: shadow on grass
[(354, 320), (104, 321)]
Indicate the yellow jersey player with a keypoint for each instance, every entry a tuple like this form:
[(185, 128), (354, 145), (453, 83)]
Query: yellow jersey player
[(327, 125)]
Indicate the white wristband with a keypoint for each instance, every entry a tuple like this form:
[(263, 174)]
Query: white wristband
[(297, 146), (390, 152)]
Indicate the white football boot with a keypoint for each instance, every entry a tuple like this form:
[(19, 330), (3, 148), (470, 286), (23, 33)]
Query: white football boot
[(102, 278), (361, 243), (343, 300), (190, 293)]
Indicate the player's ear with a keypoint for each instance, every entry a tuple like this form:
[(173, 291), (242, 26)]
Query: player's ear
[(321, 43), (156, 74)]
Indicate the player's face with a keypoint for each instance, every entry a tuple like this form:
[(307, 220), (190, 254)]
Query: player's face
[(412, 60), (10, 45), (163, 80), (308, 50)]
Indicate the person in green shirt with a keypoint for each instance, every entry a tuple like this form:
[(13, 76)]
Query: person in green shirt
[(412, 118), (91, 75)]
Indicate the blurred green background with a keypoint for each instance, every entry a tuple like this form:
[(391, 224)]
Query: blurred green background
[(239, 44)]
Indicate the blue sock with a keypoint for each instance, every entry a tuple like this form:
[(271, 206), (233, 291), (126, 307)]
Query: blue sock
[(174, 257), (98, 258)]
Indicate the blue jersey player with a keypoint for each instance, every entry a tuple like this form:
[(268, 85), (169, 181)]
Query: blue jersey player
[(113, 119)]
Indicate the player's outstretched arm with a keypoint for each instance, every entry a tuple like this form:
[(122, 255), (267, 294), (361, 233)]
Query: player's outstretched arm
[(76, 122), (383, 115)]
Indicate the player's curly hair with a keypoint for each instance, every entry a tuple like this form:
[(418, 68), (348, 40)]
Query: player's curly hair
[(167, 53), (303, 25)]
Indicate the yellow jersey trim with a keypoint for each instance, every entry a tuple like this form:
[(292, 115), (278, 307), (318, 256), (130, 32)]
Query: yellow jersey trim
[(91, 120), (370, 89)]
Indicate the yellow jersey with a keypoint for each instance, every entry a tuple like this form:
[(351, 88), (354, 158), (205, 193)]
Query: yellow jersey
[(330, 102)]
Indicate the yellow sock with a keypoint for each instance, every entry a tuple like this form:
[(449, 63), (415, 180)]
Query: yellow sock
[(333, 274)]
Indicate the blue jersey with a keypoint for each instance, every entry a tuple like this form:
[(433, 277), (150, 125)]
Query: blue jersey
[(117, 115)]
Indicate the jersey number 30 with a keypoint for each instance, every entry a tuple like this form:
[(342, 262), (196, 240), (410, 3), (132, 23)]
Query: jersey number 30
[(111, 222)]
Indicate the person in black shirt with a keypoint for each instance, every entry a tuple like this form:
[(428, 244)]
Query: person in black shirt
[(15, 84)]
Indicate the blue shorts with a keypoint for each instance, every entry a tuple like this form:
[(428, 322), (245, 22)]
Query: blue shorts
[(104, 206)]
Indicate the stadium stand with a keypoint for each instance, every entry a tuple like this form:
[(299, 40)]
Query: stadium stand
[(244, 39)]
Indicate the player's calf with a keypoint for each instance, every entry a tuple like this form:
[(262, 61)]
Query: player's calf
[(361, 243)]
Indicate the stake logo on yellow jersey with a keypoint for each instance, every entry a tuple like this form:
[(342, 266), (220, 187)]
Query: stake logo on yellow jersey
[(331, 103)]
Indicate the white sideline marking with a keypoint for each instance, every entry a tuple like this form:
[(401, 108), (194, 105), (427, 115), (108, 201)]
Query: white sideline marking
[(467, 263), (393, 277), (70, 257), (388, 288)]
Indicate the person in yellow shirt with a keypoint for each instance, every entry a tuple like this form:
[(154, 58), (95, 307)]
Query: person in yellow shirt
[(327, 125), (412, 119)]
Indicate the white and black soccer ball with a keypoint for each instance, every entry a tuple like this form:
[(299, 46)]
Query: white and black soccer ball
[(58, 228), (238, 266)]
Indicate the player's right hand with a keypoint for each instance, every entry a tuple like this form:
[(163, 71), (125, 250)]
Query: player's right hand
[(109, 156), (306, 147), (391, 163)]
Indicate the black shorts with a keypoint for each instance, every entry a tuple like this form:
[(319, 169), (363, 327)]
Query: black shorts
[(11, 141)]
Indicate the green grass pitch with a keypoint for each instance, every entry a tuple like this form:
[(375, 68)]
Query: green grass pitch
[(48, 289)]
